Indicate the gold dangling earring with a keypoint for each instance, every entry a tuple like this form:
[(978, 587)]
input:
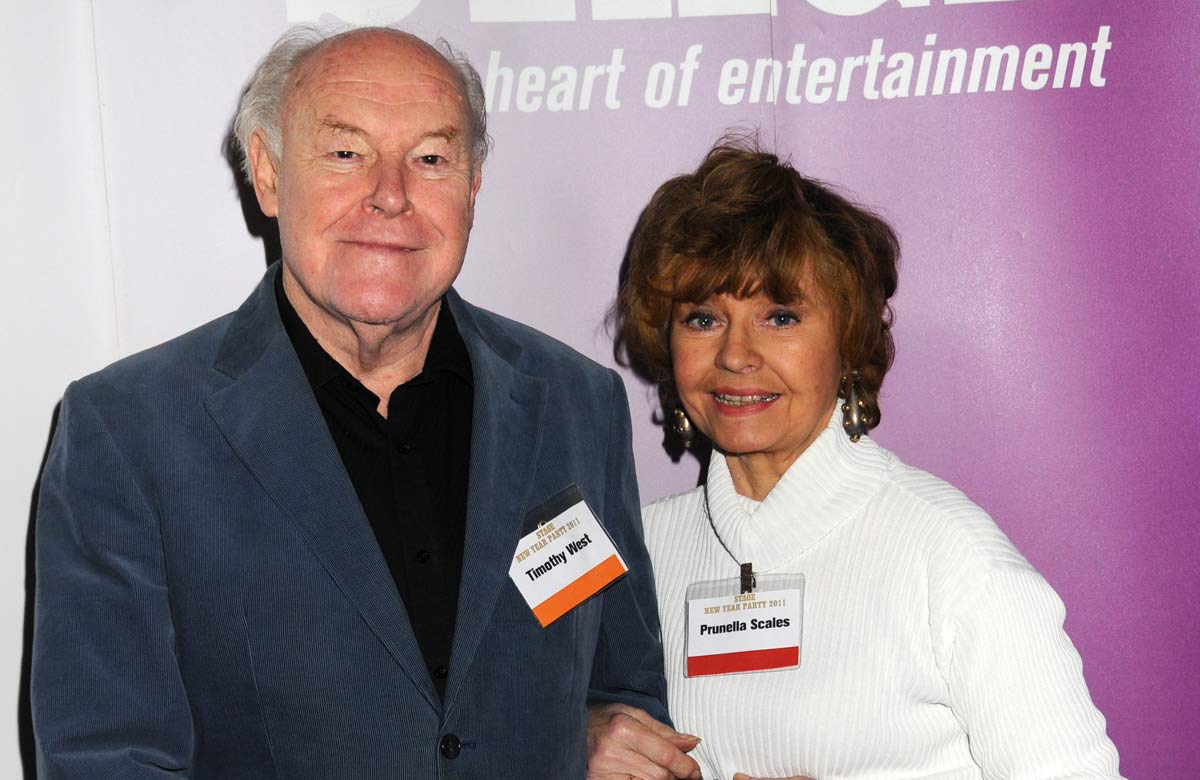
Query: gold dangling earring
[(683, 428), (854, 410)]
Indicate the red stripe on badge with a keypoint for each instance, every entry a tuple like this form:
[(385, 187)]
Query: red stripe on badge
[(746, 661)]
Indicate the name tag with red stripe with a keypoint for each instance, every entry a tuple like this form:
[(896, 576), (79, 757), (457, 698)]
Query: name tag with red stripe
[(744, 632), (566, 560)]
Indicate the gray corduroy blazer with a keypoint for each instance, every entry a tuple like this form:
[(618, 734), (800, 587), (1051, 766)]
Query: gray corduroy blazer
[(212, 603)]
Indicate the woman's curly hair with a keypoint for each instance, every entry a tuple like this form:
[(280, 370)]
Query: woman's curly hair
[(747, 222)]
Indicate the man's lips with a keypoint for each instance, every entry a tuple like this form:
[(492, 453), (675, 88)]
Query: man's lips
[(383, 246)]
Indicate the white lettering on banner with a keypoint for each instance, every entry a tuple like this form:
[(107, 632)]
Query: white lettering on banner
[(877, 74), (660, 81), (660, 84), (377, 12), (986, 69), (822, 73), (498, 85), (732, 87)]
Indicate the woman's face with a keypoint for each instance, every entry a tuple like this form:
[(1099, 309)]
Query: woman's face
[(758, 377)]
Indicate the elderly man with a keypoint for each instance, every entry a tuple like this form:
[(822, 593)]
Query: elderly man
[(280, 545)]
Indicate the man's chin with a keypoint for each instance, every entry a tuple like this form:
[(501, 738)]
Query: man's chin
[(387, 312)]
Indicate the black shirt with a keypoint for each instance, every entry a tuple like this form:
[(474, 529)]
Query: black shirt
[(409, 470)]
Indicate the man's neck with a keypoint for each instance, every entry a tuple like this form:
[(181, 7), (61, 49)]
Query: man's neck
[(382, 357)]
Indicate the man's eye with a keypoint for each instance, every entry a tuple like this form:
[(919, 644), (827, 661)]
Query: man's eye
[(345, 154), (431, 159)]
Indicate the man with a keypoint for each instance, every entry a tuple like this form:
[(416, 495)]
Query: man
[(279, 545)]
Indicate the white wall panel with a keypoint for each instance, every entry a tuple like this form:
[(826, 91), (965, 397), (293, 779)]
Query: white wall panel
[(56, 301)]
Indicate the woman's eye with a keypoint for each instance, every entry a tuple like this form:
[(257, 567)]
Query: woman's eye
[(782, 319), (699, 320)]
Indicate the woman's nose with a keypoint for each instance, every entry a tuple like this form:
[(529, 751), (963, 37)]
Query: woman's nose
[(739, 351)]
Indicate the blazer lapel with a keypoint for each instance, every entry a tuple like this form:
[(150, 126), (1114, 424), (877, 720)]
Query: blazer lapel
[(505, 438), (271, 419)]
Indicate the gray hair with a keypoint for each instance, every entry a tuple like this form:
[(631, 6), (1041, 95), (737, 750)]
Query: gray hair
[(261, 107)]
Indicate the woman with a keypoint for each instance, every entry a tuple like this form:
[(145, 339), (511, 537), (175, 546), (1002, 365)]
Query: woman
[(758, 300)]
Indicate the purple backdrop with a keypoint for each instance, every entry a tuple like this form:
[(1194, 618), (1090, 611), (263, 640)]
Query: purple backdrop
[(1046, 338)]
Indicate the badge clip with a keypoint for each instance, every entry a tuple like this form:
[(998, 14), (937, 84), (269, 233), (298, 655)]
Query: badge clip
[(748, 578)]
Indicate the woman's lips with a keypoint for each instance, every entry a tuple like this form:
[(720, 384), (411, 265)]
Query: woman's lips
[(743, 401)]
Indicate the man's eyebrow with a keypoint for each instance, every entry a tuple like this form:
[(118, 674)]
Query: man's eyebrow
[(446, 133), (338, 126)]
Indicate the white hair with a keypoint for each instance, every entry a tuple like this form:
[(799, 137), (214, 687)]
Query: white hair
[(261, 107)]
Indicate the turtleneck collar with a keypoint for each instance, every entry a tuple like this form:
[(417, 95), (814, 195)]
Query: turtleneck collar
[(826, 484)]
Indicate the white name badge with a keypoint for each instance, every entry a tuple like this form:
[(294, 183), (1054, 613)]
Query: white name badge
[(744, 632), (566, 560)]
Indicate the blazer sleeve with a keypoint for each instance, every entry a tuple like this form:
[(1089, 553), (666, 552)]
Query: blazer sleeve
[(107, 696), (628, 666)]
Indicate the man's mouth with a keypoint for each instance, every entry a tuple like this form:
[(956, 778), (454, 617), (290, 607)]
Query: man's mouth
[(378, 246)]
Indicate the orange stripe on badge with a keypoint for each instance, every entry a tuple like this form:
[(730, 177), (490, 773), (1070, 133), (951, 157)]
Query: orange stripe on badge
[(745, 661), (591, 582)]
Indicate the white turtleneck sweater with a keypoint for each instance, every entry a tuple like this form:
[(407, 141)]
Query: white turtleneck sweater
[(931, 648)]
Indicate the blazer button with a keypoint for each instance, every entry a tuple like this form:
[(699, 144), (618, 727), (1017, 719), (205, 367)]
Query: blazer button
[(450, 746)]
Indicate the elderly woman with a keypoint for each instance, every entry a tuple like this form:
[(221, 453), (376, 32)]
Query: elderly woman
[(892, 630)]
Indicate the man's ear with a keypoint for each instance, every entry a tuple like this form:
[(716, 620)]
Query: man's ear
[(264, 172), (476, 180)]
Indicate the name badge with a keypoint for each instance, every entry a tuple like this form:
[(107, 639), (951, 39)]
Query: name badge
[(566, 560), (744, 632)]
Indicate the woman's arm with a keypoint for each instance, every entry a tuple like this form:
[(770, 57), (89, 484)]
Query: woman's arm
[(1016, 683)]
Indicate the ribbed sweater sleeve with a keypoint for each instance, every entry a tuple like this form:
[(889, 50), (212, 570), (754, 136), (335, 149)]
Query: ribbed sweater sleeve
[(1016, 684)]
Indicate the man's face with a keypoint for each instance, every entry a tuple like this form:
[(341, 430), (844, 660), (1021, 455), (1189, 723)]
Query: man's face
[(374, 190)]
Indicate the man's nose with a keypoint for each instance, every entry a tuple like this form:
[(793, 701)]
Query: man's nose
[(389, 194), (739, 349)]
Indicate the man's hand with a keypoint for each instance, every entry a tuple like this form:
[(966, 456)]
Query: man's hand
[(625, 743)]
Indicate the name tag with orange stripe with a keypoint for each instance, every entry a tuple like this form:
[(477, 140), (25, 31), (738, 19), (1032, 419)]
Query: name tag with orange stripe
[(566, 560)]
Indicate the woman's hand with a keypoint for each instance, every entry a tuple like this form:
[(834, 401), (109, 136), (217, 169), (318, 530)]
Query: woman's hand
[(625, 743), (743, 776)]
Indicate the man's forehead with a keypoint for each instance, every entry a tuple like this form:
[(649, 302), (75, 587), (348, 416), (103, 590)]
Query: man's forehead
[(382, 56)]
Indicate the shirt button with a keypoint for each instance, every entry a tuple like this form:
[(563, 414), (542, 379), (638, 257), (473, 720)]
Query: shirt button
[(450, 746), (405, 448), (441, 672), (423, 556)]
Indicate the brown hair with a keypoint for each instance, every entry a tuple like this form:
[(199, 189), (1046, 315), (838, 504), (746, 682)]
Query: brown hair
[(747, 222)]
